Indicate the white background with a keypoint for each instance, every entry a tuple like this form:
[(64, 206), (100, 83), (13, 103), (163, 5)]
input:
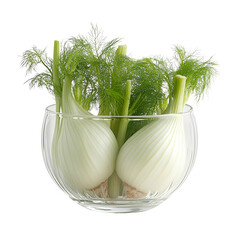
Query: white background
[(207, 205)]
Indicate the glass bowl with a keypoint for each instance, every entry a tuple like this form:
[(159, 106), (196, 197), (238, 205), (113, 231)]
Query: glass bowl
[(143, 173)]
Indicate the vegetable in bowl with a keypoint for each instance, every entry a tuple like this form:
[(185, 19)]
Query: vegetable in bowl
[(117, 158)]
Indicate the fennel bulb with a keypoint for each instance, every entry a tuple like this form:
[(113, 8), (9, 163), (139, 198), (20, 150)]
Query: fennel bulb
[(154, 157), (85, 150)]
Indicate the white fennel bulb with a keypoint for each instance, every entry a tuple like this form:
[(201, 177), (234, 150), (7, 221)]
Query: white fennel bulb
[(154, 158), (85, 149)]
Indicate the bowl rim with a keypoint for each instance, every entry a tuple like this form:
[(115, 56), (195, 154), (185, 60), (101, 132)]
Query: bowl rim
[(50, 110)]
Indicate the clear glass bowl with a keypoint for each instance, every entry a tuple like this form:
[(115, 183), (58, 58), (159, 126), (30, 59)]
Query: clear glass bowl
[(167, 171)]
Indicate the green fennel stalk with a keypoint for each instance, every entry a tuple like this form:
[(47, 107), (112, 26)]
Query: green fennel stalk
[(125, 112), (176, 100), (57, 85), (114, 183), (117, 85)]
